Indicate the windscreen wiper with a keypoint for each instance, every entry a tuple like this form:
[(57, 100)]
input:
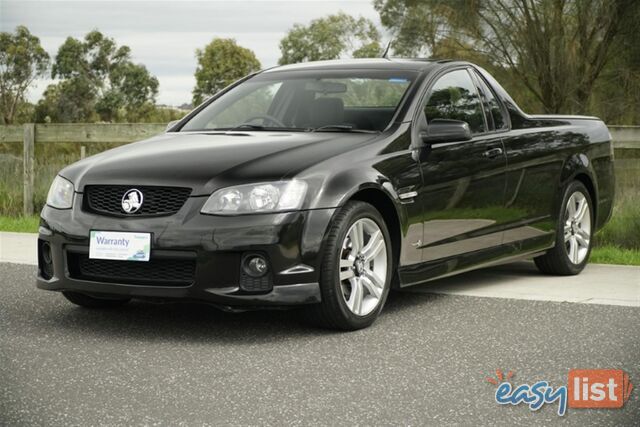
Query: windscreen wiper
[(247, 126), (251, 126), (341, 128)]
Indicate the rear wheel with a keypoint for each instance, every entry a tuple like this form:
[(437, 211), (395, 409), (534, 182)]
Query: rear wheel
[(84, 300), (574, 234), (356, 269)]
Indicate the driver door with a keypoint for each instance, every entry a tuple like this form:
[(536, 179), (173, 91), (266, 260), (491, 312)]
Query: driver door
[(463, 190)]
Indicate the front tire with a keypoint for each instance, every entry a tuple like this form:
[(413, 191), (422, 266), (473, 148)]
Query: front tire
[(86, 301), (356, 269), (574, 234)]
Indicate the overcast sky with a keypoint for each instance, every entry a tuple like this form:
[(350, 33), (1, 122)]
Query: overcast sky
[(163, 35)]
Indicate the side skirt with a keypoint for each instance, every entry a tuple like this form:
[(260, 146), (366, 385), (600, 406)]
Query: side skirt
[(427, 272)]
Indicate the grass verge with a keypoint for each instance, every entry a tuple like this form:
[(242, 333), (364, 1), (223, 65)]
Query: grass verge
[(20, 224), (615, 255)]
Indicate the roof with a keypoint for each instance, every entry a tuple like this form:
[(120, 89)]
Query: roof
[(373, 63)]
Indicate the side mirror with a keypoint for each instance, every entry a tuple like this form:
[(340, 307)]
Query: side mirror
[(171, 124), (444, 130)]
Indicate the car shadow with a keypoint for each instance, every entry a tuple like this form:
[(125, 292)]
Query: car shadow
[(193, 322)]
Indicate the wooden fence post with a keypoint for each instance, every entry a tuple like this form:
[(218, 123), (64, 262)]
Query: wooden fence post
[(28, 158)]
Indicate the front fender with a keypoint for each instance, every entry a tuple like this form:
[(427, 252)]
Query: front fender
[(337, 189)]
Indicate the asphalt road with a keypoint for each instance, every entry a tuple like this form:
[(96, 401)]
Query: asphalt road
[(423, 363)]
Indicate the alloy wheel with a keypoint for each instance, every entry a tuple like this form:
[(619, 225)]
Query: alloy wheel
[(577, 227), (363, 267)]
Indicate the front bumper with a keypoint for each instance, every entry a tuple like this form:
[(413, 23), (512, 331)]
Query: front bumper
[(215, 245)]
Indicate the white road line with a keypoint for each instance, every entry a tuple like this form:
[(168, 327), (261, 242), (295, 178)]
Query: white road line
[(598, 284)]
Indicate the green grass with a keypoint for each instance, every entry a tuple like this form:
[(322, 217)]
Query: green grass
[(623, 230), (619, 241), (615, 255), (20, 224)]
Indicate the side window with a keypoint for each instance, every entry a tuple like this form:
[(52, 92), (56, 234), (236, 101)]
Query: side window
[(492, 106), (454, 96)]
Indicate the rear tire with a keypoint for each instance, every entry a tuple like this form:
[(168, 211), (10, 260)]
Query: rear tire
[(84, 300), (356, 269), (574, 234)]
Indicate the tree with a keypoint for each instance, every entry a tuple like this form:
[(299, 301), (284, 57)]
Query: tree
[(419, 26), (616, 95), (556, 48), (132, 88), (99, 77), (330, 38), (221, 63), (22, 60), (71, 100)]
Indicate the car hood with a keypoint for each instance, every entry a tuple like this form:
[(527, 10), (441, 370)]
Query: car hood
[(207, 161)]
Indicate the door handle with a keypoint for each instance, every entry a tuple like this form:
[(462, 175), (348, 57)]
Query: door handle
[(494, 152)]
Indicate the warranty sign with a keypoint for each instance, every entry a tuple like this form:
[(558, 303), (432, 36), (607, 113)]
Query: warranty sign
[(121, 246)]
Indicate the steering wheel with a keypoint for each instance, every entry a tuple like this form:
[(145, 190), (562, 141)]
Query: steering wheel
[(266, 119)]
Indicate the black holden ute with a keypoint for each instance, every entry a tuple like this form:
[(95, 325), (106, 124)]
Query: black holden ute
[(326, 185)]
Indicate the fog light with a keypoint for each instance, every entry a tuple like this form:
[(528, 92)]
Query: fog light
[(255, 266), (45, 260), (46, 253)]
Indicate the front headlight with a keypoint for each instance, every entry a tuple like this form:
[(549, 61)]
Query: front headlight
[(60, 194), (257, 198)]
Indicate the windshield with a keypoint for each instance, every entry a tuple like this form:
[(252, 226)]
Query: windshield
[(355, 100)]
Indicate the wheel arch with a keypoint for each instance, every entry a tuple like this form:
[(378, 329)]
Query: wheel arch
[(578, 168), (383, 203), (587, 181)]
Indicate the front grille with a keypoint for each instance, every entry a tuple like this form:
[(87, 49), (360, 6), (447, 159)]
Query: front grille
[(157, 201), (155, 272)]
